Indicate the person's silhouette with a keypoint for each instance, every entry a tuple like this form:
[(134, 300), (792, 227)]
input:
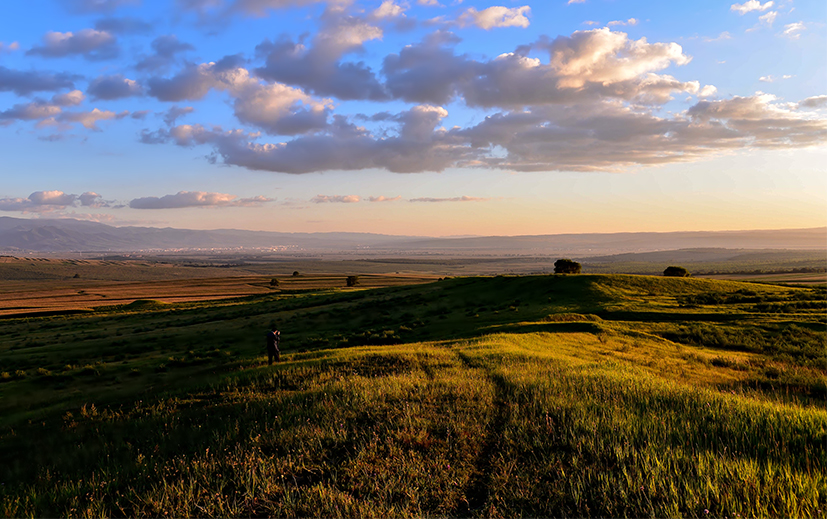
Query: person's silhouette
[(273, 339)]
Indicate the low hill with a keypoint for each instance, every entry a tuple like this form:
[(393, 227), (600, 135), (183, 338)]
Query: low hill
[(66, 235), (581, 395)]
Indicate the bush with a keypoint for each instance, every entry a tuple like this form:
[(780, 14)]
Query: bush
[(295, 273), (676, 272), (274, 282), (352, 281), (566, 266)]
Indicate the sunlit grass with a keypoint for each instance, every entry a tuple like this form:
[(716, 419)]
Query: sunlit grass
[(522, 411)]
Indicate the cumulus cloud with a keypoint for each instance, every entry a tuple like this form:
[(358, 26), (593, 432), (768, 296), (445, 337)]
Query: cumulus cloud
[(89, 120), (575, 2), (497, 16), (89, 43), (40, 110), (594, 64), (453, 199), (114, 87), (276, 108), (184, 199), (73, 98), (29, 81), (34, 111), (574, 137), (335, 199), (165, 48), (419, 145), (814, 102), (48, 201), (92, 199), (388, 9), (429, 3), (750, 5), (384, 198), (318, 68)]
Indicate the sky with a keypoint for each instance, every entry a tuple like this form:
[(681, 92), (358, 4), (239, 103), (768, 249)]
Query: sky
[(417, 117)]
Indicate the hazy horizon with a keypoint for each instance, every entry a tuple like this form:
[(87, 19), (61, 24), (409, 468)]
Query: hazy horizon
[(416, 118), (455, 236)]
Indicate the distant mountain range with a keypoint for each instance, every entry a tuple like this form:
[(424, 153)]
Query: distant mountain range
[(66, 235)]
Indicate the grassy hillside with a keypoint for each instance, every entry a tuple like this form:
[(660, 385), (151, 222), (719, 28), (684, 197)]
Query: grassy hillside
[(547, 395)]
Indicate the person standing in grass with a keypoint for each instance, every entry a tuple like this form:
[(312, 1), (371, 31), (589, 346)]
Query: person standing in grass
[(273, 339)]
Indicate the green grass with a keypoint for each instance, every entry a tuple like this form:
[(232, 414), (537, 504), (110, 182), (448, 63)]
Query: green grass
[(506, 396)]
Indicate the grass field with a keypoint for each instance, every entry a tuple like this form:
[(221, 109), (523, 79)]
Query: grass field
[(589, 395)]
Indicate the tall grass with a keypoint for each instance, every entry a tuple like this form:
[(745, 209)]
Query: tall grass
[(501, 426)]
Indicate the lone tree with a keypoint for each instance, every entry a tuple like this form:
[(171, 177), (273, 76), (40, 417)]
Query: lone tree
[(566, 266), (352, 281), (676, 272), (295, 273), (274, 282)]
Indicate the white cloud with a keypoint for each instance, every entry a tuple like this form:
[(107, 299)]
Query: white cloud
[(496, 16), (793, 30), (750, 5), (630, 21), (335, 199), (430, 3), (772, 79), (594, 64), (384, 198), (708, 91), (9, 47), (389, 9), (575, 2), (184, 199), (768, 18)]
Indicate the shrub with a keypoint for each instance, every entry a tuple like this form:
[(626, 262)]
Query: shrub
[(676, 272), (295, 273), (274, 282), (566, 266), (352, 281)]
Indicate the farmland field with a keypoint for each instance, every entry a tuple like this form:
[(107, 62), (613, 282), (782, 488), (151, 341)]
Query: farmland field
[(586, 395)]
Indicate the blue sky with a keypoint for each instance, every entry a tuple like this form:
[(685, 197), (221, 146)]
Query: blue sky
[(422, 117)]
